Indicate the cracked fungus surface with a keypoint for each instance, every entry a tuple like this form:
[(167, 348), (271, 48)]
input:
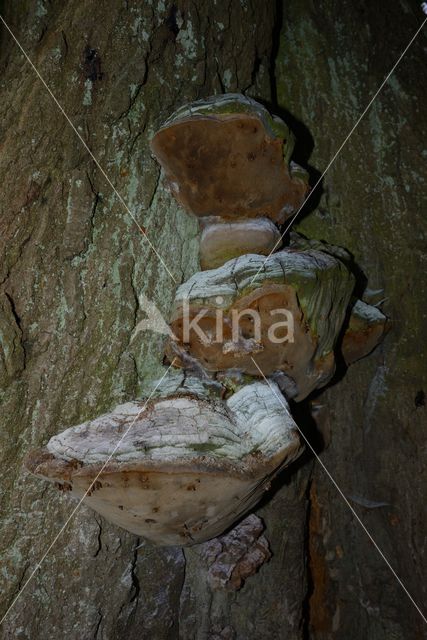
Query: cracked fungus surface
[(311, 285), (181, 427), (186, 470)]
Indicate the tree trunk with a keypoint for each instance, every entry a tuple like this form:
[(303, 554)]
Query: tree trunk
[(75, 264), (332, 59)]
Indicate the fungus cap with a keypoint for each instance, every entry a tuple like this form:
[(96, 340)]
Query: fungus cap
[(221, 241), (186, 470), (227, 156), (286, 313), (366, 328)]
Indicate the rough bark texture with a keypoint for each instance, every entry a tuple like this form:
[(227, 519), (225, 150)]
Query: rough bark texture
[(75, 264), (333, 57)]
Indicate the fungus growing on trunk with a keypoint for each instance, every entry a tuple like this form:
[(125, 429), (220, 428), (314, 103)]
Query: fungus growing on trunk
[(184, 466), (366, 325), (221, 241), (227, 156), (186, 470), (288, 318), (366, 328)]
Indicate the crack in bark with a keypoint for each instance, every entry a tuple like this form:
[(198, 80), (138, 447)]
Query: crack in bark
[(133, 99), (99, 537), (156, 186), (98, 624), (18, 587), (135, 138), (135, 581), (18, 322), (305, 605)]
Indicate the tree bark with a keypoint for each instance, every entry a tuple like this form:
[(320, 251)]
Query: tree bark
[(75, 263), (333, 57)]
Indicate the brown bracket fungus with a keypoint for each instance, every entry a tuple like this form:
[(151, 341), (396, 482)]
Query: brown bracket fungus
[(366, 325), (221, 241), (188, 464), (227, 156), (227, 160), (366, 328), (288, 317), (187, 469)]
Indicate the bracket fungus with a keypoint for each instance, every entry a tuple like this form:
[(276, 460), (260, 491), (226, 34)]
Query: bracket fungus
[(187, 469), (286, 312), (227, 156), (367, 326), (221, 241), (227, 159), (184, 466)]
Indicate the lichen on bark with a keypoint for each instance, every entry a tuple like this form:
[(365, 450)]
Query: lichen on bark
[(73, 265)]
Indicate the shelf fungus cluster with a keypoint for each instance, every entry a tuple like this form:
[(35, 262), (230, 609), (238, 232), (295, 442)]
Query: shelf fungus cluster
[(261, 324), (227, 161)]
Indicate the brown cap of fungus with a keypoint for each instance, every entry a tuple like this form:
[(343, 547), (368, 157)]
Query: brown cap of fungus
[(227, 156), (287, 313), (366, 328), (221, 241)]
